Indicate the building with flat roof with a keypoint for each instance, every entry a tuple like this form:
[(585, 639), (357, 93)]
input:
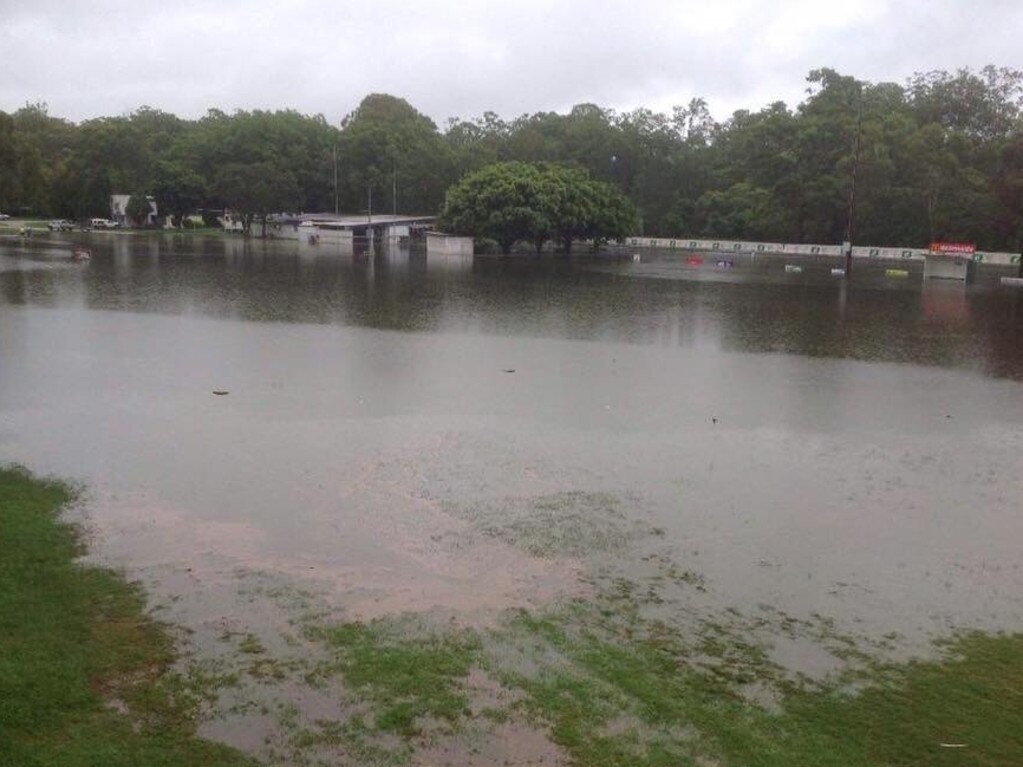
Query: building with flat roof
[(328, 227)]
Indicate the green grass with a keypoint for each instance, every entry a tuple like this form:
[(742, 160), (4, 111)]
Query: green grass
[(614, 688), (623, 691), (84, 674), (972, 696), (642, 698), (408, 679)]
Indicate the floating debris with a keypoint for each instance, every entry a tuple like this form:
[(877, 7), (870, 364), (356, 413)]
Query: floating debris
[(220, 393), (896, 273), (793, 269)]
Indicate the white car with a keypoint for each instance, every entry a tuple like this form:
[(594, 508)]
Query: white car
[(4, 217), (60, 225), (103, 223)]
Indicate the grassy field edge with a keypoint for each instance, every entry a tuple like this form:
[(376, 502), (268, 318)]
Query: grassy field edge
[(86, 675)]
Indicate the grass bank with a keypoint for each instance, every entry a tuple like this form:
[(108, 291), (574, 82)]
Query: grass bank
[(85, 675)]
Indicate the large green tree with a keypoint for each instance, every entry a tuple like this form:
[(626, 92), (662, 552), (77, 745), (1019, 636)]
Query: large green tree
[(255, 190), (138, 208), (1008, 185), (300, 144), (390, 151), (179, 190), (34, 150), (536, 202), (501, 202)]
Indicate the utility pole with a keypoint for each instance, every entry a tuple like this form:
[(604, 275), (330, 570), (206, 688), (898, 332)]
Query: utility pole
[(337, 197), (852, 189), (394, 190), (370, 209)]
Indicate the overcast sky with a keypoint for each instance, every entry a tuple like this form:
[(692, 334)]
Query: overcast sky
[(87, 59)]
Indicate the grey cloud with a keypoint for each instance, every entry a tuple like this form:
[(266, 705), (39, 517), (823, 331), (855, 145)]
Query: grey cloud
[(448, 59)]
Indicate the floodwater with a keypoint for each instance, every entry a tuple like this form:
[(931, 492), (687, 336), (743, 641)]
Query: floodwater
[(402, 433)]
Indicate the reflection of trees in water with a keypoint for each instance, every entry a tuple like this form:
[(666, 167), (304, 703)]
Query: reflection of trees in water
[(998, 317), (399, 288), (12, 286), (46, 285), (817, 320)]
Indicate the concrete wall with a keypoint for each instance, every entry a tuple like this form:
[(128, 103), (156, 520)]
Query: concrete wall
[(314, 235), (946, 268), (438, 244)]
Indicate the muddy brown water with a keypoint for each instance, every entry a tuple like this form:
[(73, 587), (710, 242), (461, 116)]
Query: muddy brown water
[(399, 431)]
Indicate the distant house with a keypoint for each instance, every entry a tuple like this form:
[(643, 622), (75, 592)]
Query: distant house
[(119, 208)]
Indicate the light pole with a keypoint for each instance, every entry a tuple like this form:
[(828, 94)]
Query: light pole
[(337, 196), (852, 189)]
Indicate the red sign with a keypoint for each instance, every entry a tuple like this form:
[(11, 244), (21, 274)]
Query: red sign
[(958, 248)]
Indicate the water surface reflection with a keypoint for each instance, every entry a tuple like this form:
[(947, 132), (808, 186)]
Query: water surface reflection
[(938, 323), (866, 433)]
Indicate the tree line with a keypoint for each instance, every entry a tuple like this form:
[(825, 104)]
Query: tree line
[(937, 157)]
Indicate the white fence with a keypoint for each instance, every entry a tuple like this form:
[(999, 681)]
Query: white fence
[(858, 251)]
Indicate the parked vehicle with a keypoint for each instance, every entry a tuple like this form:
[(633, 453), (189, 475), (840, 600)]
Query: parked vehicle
[(60, 225), (103, 223), (4, 217)]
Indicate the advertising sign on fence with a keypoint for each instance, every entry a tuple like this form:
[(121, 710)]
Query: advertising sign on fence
[(953, 248)]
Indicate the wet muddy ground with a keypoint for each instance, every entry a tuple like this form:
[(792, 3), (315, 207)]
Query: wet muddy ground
[(440, 500)]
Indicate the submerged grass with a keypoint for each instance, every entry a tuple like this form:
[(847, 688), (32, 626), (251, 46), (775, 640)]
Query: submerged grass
[(575, 524), (85, 680), (84, 673), (613, 692), (642, 699), (964, 709), (410, 680)]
